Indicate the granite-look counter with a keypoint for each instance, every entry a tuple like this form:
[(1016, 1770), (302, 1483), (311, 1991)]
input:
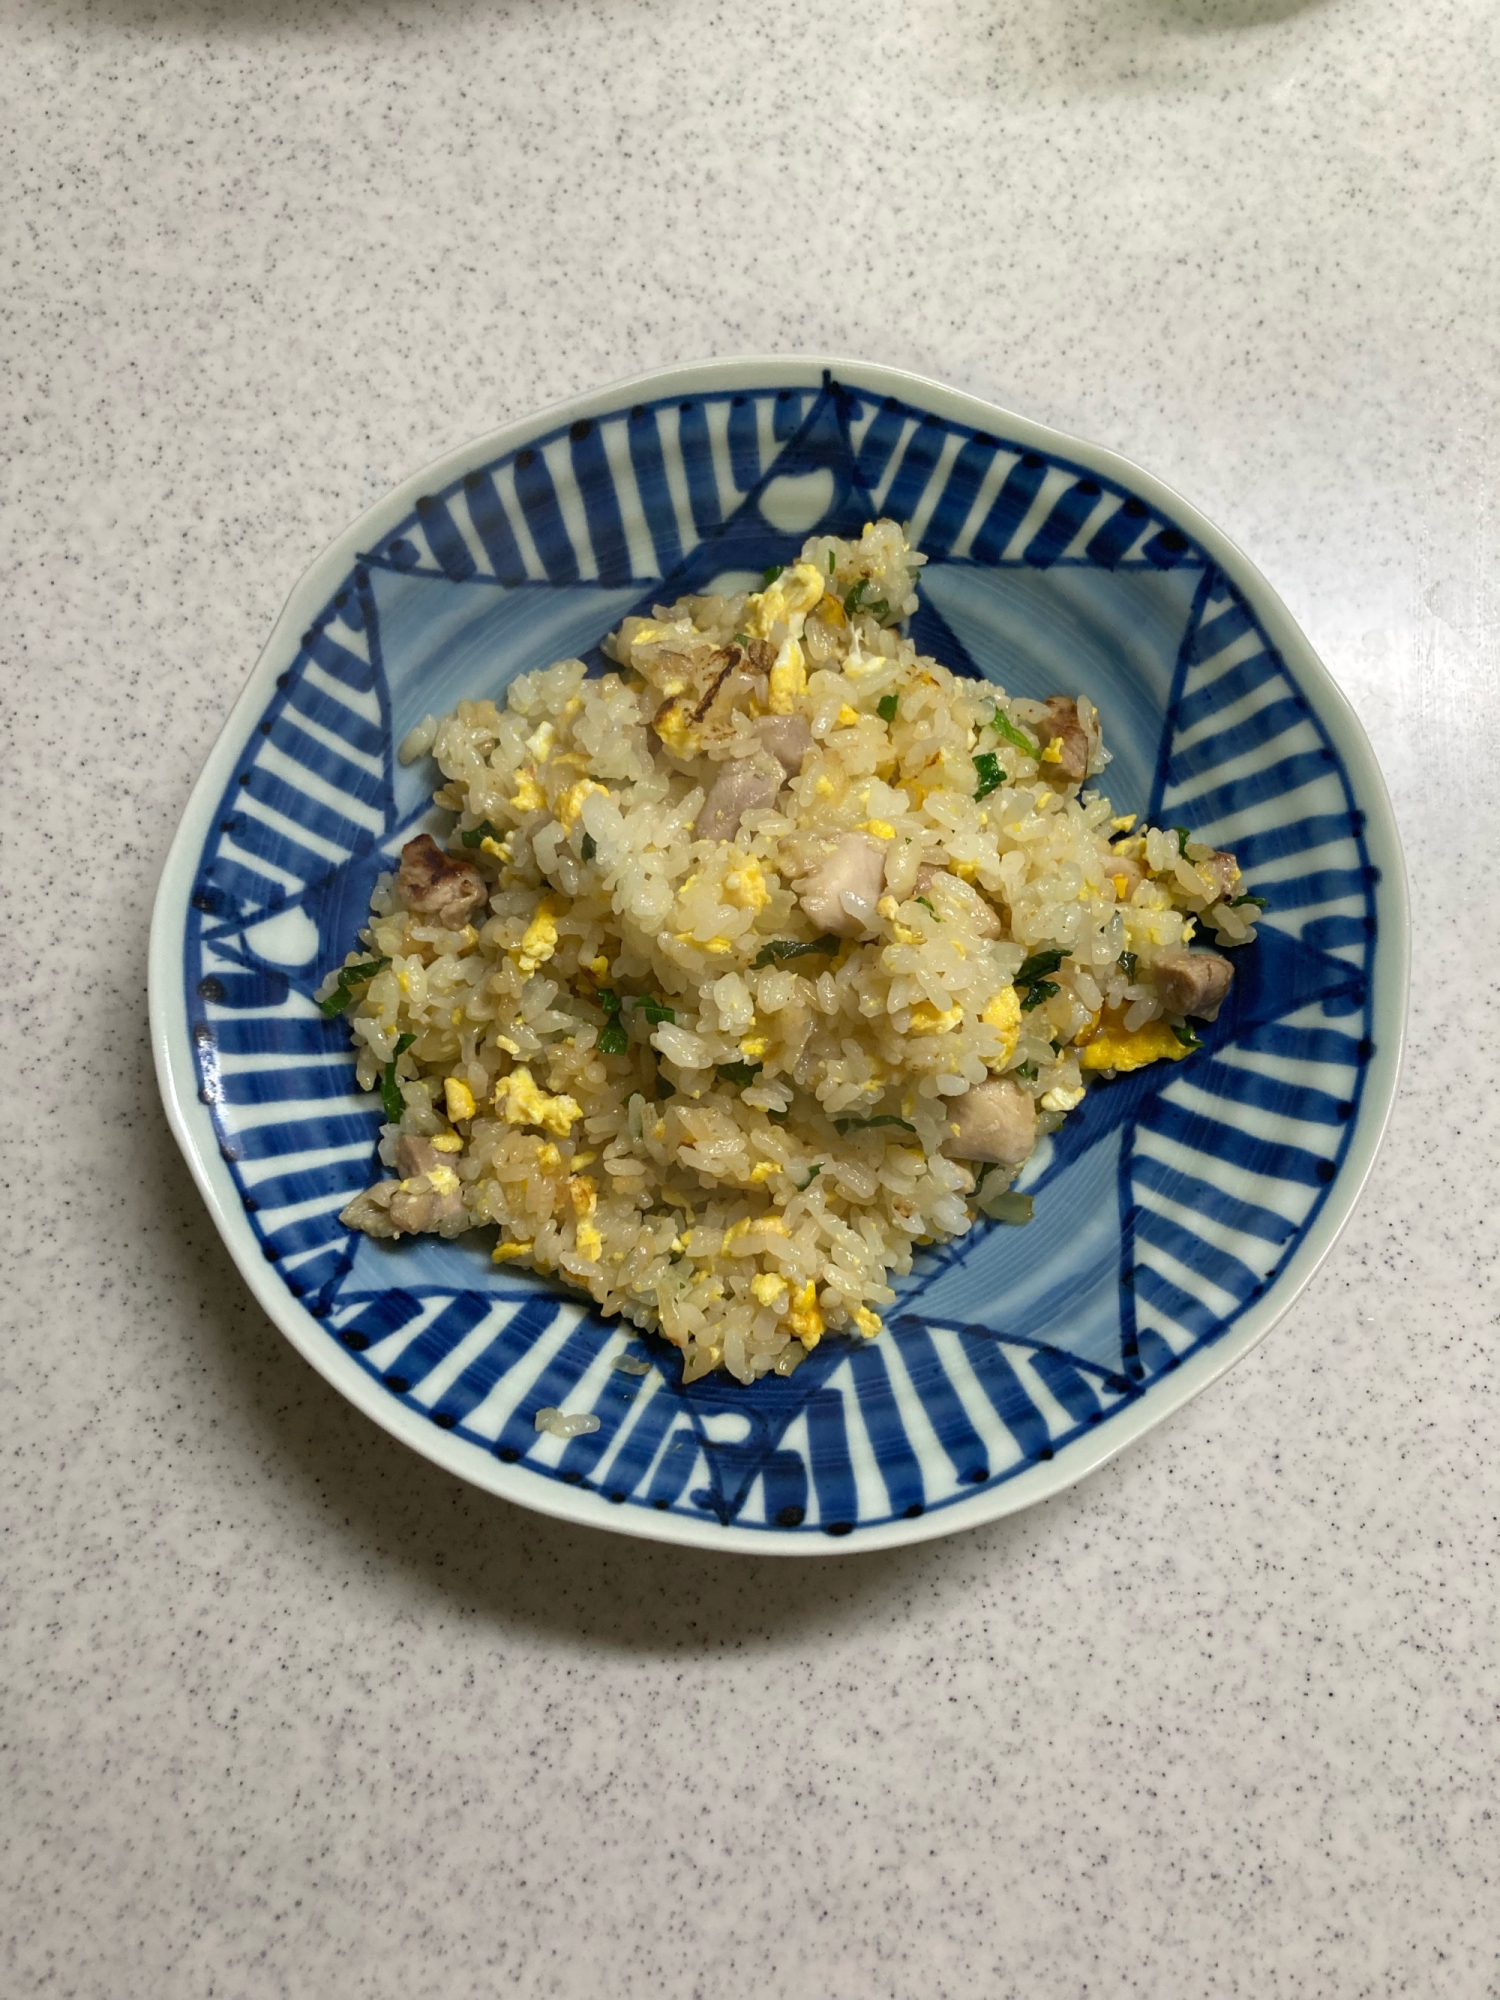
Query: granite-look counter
[(289, 1711)]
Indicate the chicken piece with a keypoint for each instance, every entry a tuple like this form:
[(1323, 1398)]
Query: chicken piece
[(425, 1200), (370, 1211), (1066, 743), (994, 1121), (939, 886), (744, 784), (841, 894), (1193, 982), (1223, 872), (787, 737), (432, 884)]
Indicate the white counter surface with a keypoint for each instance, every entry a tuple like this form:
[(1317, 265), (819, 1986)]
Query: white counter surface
[(288, 1711)]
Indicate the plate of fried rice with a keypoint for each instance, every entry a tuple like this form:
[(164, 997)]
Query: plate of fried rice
[(782, 959)]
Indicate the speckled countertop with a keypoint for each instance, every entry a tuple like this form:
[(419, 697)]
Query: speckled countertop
[(290, 1712)]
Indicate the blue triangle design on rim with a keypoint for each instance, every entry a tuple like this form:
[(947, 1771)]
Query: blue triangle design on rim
[(1196, 1186)]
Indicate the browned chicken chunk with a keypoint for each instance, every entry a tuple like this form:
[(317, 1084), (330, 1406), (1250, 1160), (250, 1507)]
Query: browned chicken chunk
[(787, 737), (853, 874), (424, 1201), (744, 784), (1193, 982), (1222, 870), (432, 884), (994, 1121), (1060, 726)]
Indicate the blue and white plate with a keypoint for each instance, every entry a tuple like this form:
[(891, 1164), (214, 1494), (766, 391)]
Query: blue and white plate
[(1178, 1213)]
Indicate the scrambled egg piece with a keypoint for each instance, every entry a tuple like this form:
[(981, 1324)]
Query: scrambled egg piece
[(1112, 1048), (787, 599), (787, 602), (540, 941), (674, 727), (458, 1099), (1060, 1098), (769, 1288), (867, 1321), (847, 717), (1004, 1013), (570, 805), (803, 1316), (745, 885), (588, 1241), (528, 796), (753, 1047), (881, 828), (521, 1101), (504, 1252), (926, 1019), (446, 1142), (442, 1180)]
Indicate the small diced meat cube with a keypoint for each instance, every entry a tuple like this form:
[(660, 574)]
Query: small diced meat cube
[(1060, 728), (840, 896), (787, 737), (995, 1121), (1193, 982), (744, 784), (1223, 872), (432, 884)]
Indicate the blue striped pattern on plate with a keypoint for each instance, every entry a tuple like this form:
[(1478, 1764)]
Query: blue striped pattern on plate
[(1165, 1208)]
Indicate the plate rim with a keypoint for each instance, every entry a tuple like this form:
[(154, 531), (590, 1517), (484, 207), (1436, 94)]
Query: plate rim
[(192, 1128)]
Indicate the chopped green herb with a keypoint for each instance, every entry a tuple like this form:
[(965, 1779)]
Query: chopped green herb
[(1182, 840), (817, 1168), (1037, 992), (991, 777), (842, 1125), (1240, 901), (878, 609), (1002, 722), (657, 1011), (740, 1073), (589, 847), (1005, 1205), (854, 597), (476, 836), (1127, 962), (830, 562), (777, 1117), (886, 707), (674, 1256), (1186, 1036), (1038, 966), (1027, 1071), (925, 905), (780, 948), (349, 976), (390, 1089), (742, 638), (769, 576), (612, 1037)]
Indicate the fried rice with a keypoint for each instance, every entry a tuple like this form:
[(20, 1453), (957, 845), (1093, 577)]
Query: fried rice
[(752, 965)]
